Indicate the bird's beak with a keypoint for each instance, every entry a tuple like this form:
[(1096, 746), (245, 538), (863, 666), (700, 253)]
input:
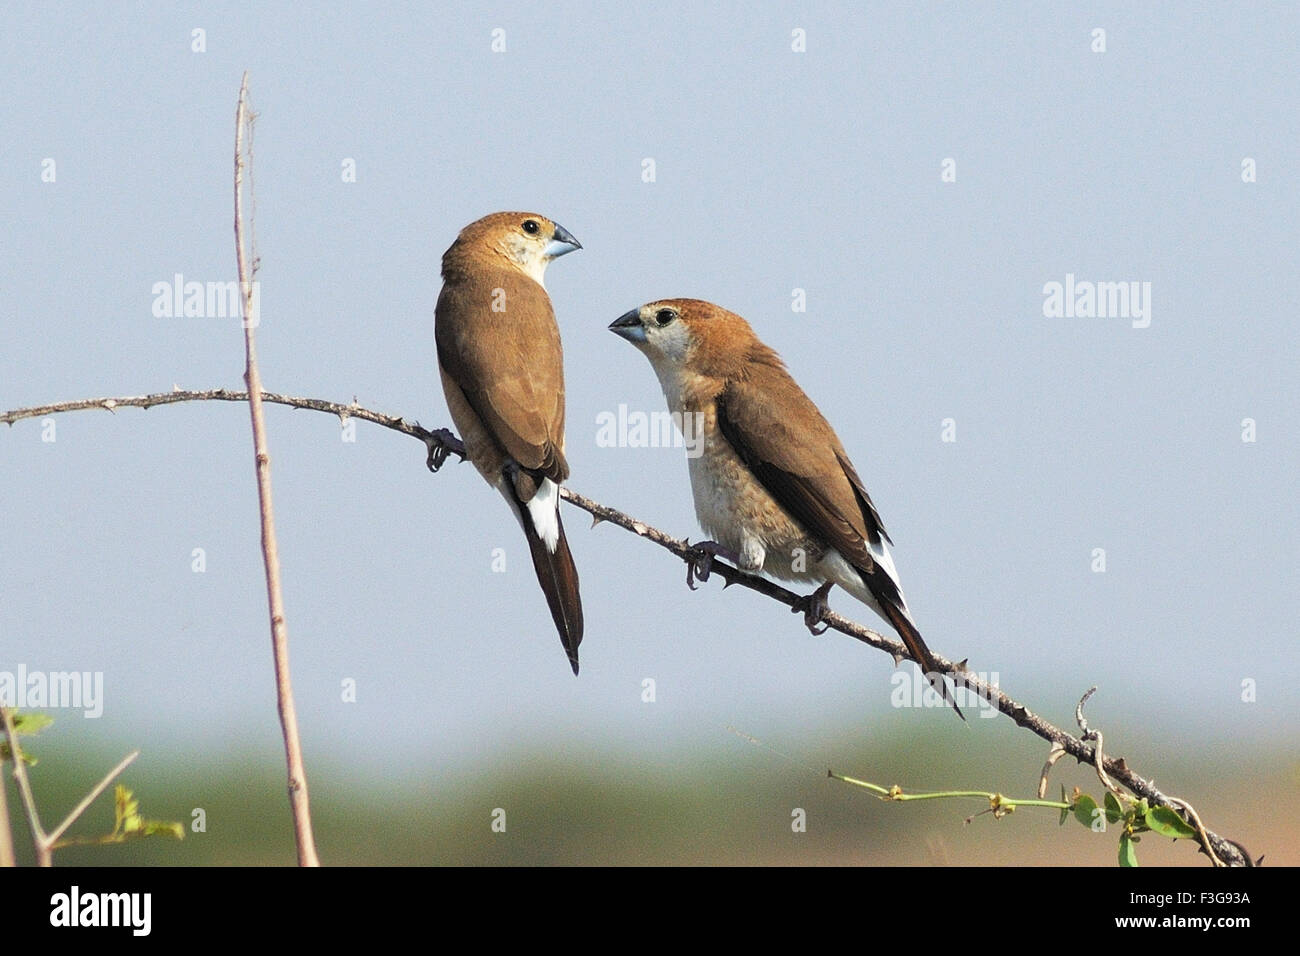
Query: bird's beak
[(561, 243), (629, 326)]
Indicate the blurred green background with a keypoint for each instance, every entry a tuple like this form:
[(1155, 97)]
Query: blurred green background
[(731, 804)]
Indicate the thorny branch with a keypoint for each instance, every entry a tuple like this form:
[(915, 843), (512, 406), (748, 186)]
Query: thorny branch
[(441, 443)]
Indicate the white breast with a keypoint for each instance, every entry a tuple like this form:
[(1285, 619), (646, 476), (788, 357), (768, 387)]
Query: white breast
[(730, 504)]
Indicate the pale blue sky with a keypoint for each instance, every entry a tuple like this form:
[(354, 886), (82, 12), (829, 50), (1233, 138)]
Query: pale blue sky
[(775, 170)]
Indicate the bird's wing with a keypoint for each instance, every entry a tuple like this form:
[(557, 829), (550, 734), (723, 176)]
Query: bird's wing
[(508, 364), (793, 451), (795, 454)]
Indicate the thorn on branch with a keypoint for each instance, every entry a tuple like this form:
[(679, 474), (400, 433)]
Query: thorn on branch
[(1245, 854)]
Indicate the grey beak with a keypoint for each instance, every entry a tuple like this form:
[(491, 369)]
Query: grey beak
[(561, 243), (629, 326)]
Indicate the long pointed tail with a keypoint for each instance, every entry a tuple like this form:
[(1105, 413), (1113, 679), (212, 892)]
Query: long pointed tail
[(558, 576), (920, 653)]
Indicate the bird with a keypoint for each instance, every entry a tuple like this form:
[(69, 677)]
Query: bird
[(502, 370), (772, 482)]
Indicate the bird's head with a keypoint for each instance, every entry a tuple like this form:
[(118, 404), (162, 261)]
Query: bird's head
[(688, 335), (525, 240)]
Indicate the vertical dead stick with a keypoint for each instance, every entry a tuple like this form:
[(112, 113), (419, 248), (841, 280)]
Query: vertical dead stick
[(298, 801), (6, 834)]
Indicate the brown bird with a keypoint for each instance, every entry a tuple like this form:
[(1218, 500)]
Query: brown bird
[(503, 374), (772, 483)]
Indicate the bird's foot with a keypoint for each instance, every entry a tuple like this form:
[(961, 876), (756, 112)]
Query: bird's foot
[(440, 445), (814, 607), (700, 564)]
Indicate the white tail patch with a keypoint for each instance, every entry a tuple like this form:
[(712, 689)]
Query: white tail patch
[(846, 576), (880, 552), (544, 509)]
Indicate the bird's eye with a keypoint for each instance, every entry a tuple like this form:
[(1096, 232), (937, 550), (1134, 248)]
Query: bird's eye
[(531, 227), (664, 316)]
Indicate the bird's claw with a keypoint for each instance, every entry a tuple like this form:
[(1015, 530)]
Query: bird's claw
[(814, 607), (699, 566), (438, 449)]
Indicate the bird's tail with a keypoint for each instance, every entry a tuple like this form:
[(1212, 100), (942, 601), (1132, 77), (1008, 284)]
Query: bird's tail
[(920, 653), (558, 576)]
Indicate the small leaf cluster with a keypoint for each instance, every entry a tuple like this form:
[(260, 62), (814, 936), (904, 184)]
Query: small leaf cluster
[(1133, 815)]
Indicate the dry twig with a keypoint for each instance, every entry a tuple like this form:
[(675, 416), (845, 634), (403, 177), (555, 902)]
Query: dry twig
[(298, 800)]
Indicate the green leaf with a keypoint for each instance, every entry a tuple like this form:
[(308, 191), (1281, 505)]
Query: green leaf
[(126, 811), (5, 755), (1167, 822), (1127, 853), (24, 724), (1085, 810), (1114, 812), (31, 723), (1064, 813), (130, 824), (163, 828)]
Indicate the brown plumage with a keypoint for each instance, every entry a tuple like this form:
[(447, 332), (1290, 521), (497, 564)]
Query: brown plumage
[(502, 371), (772, 484)]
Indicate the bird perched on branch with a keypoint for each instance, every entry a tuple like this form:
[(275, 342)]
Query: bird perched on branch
[(772, 483), (502, 372)]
